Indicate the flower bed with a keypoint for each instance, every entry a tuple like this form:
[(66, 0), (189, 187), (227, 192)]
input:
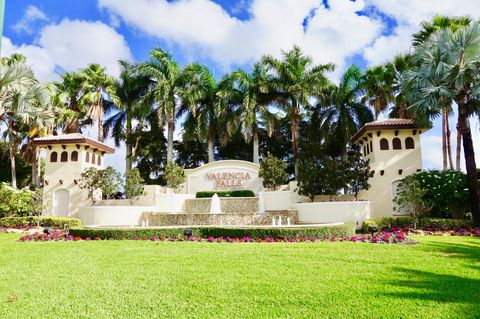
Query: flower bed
[(380, 238)]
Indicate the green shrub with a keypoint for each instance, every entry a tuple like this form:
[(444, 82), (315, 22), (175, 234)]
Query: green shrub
[(14, 201), (388, 222), (174, 175), (447, 190), (232, 193), (346, 229), (52, 221)]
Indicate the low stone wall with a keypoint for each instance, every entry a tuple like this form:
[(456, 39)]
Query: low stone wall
[(333, 212), (228, 205), (231, 219)]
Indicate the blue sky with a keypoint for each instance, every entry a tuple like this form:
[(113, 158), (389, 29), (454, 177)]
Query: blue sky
[(59, 35)]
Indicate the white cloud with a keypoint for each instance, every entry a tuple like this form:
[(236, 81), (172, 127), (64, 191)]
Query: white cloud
[(70, 45), (74, 44), (30, 16), (408, 15), (205, 28)]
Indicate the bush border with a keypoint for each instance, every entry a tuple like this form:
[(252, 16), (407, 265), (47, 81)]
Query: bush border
[(347, 229)]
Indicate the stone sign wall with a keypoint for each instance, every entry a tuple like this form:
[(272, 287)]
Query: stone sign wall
[(223, 175)]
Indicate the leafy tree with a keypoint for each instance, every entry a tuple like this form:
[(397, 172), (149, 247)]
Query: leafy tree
[(23, 169), (273, 172), (108, 180), (134, 185), (39, 204), (320, 176), (174, 175), (357, 172), (447, 69), (91, 180), (295, 81), (111, 181), (411, 197), (150, 150)]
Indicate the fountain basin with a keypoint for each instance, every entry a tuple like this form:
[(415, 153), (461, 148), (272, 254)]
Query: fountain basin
[(222, 219), (227, 205)]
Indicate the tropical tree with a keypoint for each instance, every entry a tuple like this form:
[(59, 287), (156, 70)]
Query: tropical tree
[(448, 69), (378, 88), (96, 84), (204, 108), (341, 111), (68, 91), (295, 80), (250, 93), (165, 91), (428, 28), (129, 88), (22, 102)]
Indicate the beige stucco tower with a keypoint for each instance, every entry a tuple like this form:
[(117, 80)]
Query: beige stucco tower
[(67, 156), (393, 148)]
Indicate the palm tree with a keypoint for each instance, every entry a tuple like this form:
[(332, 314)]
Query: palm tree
[(378, 87), (95, 84), (294, 81), (165, 91), (428, 28), (129, 88), (250, 93), (448, 68), (69, 90), (205, 110), (22, 101), (341, 111)]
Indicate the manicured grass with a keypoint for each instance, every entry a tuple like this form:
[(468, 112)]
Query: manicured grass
[(439, 278)]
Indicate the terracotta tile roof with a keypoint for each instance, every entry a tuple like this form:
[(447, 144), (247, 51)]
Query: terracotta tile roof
[(73, 138), (387, 124)]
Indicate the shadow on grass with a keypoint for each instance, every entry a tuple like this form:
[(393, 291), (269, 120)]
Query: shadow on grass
[(443, 287)]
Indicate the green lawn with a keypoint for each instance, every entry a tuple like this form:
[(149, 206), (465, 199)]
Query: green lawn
[(439, 278)]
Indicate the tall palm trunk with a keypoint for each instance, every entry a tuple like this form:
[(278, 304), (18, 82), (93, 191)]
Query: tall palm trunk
[(211, 156), (294, 132), (211, 139), (11, 148), (459, 146), (469, 153), (444, 139), (100, 120), (256, 155), (170, 129), (128, 145), (34, 167), (449, 143)]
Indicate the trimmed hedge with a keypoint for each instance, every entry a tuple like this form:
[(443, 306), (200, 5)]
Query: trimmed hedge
[(51, 221), (388, 222), (232, 193), (347, 229)]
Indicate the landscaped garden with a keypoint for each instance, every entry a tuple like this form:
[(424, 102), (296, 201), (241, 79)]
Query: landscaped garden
[(437, 278)]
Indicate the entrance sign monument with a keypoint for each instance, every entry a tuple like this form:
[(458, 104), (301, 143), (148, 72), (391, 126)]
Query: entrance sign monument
[(223, 175)]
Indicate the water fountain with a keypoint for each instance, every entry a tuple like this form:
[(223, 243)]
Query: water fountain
[(215, 207)]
